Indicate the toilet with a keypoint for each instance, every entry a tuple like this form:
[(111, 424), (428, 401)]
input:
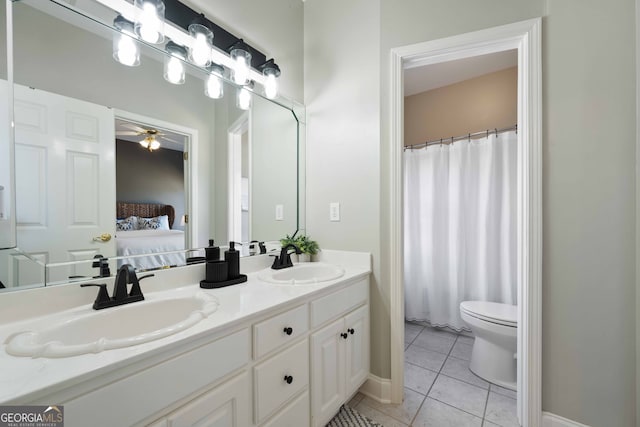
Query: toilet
[(495, 327)]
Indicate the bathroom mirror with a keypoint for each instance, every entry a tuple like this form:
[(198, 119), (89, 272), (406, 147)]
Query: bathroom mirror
[(77, 110)]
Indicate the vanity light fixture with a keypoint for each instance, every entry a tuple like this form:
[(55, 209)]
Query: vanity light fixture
[(125, 47), (243, 99), (271, 72), (213, 86), (173, 66), (200, 49), (192, 37), (149, 23), (241, 57)]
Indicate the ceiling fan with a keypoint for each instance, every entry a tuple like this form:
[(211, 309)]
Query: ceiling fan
[(151, 137)]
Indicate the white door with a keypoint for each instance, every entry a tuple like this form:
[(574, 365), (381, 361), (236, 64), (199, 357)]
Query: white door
[(65, 179), (327, 372), (357, 351)]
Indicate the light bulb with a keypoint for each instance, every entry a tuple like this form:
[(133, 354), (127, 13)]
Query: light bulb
[(241, 70), (213, 88), (149, 24), (154, 145), (127, 51), (244, 99), (175, 71), (271, 86), (200, 50)]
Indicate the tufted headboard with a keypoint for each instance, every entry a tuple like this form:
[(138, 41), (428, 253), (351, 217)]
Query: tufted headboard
[(145, 210)]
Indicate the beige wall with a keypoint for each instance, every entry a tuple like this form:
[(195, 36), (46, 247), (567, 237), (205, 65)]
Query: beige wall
[(485, 102), (589, 370)]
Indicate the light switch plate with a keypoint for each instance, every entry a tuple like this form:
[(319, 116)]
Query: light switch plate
[(334, 211), (279, 213)]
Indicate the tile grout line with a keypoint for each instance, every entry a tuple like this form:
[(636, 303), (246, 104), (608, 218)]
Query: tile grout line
[(426, 396)]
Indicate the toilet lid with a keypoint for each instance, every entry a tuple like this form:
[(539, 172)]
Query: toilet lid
[(504, 314)]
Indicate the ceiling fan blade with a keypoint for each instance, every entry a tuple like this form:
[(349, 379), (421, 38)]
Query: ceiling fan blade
[(136, 128), (127, 133), (165, 138)]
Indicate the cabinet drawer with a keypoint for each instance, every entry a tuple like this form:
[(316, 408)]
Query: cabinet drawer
[(226, 405), (296, 414), (270, 386), (333, 305), (274, 332), (152, 390)]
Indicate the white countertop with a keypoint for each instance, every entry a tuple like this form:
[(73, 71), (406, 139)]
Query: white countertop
[(24, 379)]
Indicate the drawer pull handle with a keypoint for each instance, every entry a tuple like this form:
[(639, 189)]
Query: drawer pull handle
[(343, 335), (288, 330), (351, 331), (288, 379)]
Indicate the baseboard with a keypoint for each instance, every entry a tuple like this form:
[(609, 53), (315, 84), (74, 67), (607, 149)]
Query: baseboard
[(552, 420), (377, 388)]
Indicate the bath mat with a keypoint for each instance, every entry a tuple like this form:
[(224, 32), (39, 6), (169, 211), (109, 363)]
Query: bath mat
[(349, 417)]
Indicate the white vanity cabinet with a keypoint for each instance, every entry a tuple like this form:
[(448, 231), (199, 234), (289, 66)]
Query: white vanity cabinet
[(291, 365), (339, 352)]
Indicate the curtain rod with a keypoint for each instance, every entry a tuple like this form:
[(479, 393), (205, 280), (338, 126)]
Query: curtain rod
[(453, 139)]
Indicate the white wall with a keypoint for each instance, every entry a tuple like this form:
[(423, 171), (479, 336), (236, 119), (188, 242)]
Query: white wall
[(342, 79), (589, 172)]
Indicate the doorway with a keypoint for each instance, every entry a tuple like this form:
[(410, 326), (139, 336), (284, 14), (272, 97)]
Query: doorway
[(525, 38), (179, 143), (239, 174)]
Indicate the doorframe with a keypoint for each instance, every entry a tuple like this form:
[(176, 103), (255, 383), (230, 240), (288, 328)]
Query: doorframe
[(234, 148), (191, 165), (524, 36)]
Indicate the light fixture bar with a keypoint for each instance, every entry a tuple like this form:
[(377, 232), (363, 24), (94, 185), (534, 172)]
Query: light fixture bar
[(180, 36)]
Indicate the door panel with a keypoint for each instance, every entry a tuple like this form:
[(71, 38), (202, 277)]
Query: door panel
[(357, 351), (327, 376), (65, 178)]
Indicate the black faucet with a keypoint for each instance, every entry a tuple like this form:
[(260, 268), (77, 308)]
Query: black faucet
[(284, 260), (126, 275), (103, 264)]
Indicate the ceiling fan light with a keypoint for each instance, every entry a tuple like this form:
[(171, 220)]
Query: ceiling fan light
[(154, 145)]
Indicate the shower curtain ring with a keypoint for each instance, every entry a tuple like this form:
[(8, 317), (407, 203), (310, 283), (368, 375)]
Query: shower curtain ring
[(496, 132), (487, 133)]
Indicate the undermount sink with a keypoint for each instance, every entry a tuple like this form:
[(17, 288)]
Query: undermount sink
[(117, 327), (303, 273)]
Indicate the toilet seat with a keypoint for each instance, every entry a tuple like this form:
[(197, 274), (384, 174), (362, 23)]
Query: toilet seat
[(502, 314)]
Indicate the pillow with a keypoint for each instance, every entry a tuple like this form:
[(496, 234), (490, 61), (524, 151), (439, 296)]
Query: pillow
[(127, 224), (156, 223)]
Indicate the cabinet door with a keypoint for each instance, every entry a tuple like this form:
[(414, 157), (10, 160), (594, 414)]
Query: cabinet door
[(294, 415), (227, 405), (357, 348), (327, 372)]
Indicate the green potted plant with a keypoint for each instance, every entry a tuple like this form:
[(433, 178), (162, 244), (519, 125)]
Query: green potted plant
[(307, 246)]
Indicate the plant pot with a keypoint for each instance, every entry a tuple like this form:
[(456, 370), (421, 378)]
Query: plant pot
[(304, 258)]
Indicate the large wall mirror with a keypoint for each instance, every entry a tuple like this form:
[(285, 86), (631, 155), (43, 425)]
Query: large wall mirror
[(114, 160)]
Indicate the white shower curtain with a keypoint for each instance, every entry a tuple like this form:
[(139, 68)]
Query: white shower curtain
[(459, 227)]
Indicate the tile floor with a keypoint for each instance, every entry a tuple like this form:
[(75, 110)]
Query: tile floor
[(440, 390)]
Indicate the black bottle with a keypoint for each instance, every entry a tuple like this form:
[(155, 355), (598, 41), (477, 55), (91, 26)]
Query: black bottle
[(232, 257), (212, 253)]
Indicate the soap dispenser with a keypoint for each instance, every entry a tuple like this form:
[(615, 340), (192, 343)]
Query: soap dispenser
[(212, 253), (221, 273), (232, 257)]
